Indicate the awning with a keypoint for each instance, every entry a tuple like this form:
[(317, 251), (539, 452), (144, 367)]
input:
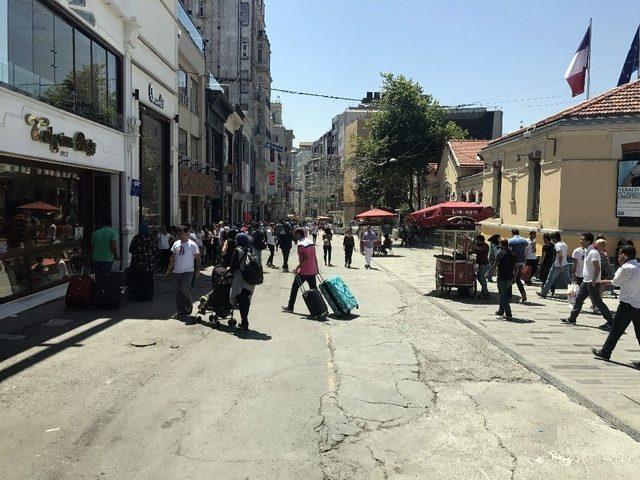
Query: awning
[(437, 215), (41, 206), (375, 214)]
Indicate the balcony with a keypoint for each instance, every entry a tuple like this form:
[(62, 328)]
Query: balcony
[(188, 102), (189, 26)]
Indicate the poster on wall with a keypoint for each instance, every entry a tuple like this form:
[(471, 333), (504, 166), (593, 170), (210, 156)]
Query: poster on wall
[(628, 191)]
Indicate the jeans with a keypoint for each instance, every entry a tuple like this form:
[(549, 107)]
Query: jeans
[(99, 266), (258, 253), (182, 285), (285, 258), (588, 289), (482, 280), (624, 316), (504, 287), (553, 275), (244, 302), (327, 253), (272, 251), (297, 281), (348, 254)]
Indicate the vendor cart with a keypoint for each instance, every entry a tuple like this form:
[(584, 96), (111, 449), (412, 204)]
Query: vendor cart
[(457, 268)]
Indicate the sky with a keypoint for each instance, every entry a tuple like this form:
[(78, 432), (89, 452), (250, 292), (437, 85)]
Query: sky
[(510, 55)]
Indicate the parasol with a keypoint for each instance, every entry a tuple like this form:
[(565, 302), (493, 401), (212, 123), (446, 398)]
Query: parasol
[(436, 215), (375, 214), (41, 206)]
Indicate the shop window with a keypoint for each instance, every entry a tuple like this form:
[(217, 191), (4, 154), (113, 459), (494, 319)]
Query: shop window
[(154, 165), (56, 62)]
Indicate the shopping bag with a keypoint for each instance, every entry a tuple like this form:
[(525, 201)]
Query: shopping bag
[(572, 293)]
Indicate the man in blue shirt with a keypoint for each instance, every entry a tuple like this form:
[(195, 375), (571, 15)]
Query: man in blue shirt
[(518, 246)]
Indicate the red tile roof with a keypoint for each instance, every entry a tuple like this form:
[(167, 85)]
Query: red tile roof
[(620, 101), (465, 151)]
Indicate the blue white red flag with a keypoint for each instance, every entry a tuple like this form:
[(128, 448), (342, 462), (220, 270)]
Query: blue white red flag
[(577, 71), (631, 62)]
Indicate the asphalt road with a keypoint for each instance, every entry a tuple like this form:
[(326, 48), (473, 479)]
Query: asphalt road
[(401, 390)]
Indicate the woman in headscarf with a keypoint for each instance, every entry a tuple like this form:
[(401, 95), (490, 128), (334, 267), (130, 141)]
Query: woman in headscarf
[(228, 247), (241, 291), (144, 252)]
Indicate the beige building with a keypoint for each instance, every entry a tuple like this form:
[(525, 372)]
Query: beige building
[(561, 174), (459, 173), (351, 205)]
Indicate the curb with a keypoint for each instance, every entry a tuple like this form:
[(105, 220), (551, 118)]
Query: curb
[(574, 395)]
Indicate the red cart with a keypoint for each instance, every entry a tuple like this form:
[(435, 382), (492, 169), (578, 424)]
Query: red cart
[(456, 269)]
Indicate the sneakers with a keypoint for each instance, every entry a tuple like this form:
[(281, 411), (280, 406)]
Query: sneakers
[(600, 354), (499, 313), (569, 321), (287, 309), (541, 295)]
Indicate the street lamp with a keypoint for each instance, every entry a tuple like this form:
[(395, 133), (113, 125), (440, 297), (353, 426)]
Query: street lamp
[(384, 162)]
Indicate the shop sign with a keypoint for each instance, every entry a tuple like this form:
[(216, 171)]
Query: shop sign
[(136, 187), (195, 183), (42, 132), (628, 191), (157, 101), (275, 147)]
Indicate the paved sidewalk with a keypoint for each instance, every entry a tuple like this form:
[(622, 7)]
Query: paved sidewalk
[(559, 353)]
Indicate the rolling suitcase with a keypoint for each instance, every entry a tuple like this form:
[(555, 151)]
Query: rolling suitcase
[(79, 291), (337, 293), (107, 292), (314, 301)]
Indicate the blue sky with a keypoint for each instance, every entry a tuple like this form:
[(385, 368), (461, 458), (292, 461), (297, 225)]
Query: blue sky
[(510, 54)]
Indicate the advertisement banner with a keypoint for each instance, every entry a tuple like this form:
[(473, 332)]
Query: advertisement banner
[(628, 191)]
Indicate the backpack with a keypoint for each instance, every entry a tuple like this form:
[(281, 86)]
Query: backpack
[(258, 240), (252, 272)]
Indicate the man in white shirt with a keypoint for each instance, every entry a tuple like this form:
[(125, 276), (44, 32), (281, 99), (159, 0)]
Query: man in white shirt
[(531, 256), (271, 243), (591, 278), (185, 266), (627, 277), (579, 255), (367, 239), (560, 265)]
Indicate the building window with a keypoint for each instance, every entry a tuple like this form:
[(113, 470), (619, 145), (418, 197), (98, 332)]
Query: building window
[(244, 74), (260, 53), (535, 173), (183, 85), (200, 8), (244, 49), (194, 94), (244, 13), (52, 60), (195, 148), (182, 142)]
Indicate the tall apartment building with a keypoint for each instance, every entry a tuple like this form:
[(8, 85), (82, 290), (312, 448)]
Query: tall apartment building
[(238, 54), (279, 165)]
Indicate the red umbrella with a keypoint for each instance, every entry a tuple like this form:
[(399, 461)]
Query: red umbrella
[(375, 214), (43, 207), (436, 215)]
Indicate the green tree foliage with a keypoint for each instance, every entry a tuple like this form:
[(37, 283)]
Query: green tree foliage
[(409, 126)]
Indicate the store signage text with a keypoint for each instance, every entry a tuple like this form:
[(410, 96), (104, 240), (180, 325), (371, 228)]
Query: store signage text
[(157, 101), (42, 132)]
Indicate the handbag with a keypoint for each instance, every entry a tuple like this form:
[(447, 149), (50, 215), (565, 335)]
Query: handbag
[(572, 293)]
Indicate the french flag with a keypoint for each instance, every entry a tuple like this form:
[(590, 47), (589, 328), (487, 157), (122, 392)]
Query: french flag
[(577, 71)]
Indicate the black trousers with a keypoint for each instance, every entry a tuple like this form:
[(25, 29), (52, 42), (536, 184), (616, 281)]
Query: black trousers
[(299, 279), (272, 250), (285, 258), (244, 302), (348, 253), (327, 253), (588, 289), (624, 316)]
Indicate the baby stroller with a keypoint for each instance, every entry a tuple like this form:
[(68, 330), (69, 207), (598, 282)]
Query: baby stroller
[(217, 301)]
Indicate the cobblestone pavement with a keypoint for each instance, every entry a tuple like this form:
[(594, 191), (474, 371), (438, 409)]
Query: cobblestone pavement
[(558, 352)]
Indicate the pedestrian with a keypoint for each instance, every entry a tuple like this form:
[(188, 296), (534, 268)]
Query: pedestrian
[(314, 232), (271, 244), (518, 246), (144, 253), (104, 248), (387, 244), (531, 255), (366, 243), (349, 244), (481, 249), (258, 243), (506, 264), (326, 246), (165, 240), (184, 265), (579, 255), (591, 280), (228, 247), (306, 270), (560, 265), (241, 291), (285, 242), (494, 246), (627, 278), (606, 272), (546, 259)]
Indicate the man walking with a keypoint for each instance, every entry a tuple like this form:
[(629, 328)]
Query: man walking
[(518, 246), (579, 255), (104, 248), (271, 244), (307, 268), (531, 255), (482, 259), (258, 242), (185, 267), (507, 269), (627, 277), (368, 237), (560, 265), (590, 287)]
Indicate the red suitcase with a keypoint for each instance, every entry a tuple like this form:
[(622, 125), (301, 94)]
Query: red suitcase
[(79, 291)]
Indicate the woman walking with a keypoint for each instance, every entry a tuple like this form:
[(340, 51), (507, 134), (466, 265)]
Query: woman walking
[(144, 252), (241, 291), (228, 248), (326, 246), (349, 245), (546, 259)]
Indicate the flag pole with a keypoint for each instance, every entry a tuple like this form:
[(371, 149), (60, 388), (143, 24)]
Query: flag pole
[(638, 52), (589, 60)]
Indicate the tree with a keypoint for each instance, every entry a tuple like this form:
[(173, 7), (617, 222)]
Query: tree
[(409, 126)]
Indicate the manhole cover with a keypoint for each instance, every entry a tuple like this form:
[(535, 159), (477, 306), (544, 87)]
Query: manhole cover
[(143, 342)]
